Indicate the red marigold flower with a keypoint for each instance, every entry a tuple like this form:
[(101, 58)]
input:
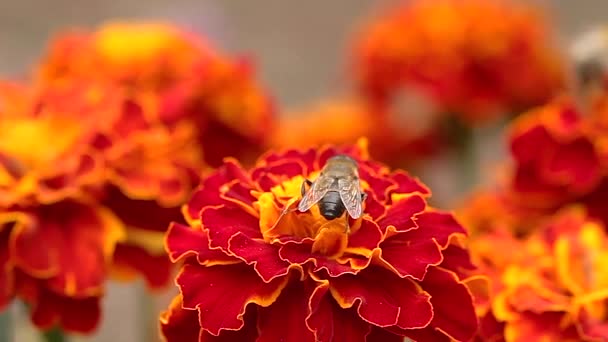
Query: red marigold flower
[(344, 121), (549, 285), (463, 54), (184, 79), (399, 272), (56, 240), (560, 157)]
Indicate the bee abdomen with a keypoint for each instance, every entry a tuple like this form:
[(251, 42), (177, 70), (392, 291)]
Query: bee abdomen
[(331, 206)]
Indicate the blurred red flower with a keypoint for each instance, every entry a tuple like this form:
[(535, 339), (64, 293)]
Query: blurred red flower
[(399, 272)]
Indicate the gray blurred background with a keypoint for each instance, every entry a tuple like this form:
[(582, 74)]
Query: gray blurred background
[(300, 48)]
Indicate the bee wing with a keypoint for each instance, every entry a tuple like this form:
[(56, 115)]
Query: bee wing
[(350, 194), (318, 189)]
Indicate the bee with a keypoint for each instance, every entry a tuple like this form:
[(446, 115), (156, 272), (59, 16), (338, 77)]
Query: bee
[(336, 190)]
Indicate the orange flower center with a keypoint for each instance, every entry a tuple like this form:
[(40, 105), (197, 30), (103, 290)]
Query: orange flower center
[(279, 217)]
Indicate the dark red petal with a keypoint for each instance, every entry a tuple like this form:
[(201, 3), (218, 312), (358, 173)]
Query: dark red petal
[(383, 299), (71, 314), (400, 215), (457, 260), (576, 164), (439, 226), (183, 241), (208, 192), (411, 253), (285, 319), (178, 324), (263, 256), (367, 237), (307, 158), (454, 313), (300, 253), (222, 223), (221, 293), (281, 170), (593, 328), (428, 334), (407, 184), (248, 333), (330, 322), (379, 185), (382, 335), (373, 207), (72, 239)]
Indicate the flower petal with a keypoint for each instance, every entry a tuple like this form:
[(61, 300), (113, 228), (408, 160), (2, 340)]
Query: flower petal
[(78, 242), (453, 309), (263, 256), (219, 295), (299, 252), (222, 223), (383, 299), (400, 214), (439, 226), (330, 322), (410, 253), (178, 324), (6, 268), (285, 319), (183, 241)]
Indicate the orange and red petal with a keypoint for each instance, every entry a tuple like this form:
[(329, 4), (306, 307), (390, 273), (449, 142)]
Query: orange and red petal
[(546, 326), (183, 241), (453, 310), (383, 299), (178, 324), (76, 242), (50, 309), (331, 323), (285, 319), (400, 216), (223, 222), (209, 191), (263, 256), (222, 293), (301, 253), (397, 252), (439, 226)]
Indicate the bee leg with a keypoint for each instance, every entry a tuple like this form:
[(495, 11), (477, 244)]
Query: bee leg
[(363, 196), (347, 225), (303, 187)]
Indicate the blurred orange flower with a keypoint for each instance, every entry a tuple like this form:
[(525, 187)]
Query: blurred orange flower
[(181, 106), (549, 285), (396, 272), (464, 54), (179, 73), (57, 240), (394, 138)]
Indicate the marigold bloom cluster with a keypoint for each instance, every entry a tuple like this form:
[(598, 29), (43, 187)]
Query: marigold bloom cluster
[(541, 238), (98, 153), (256, 270), (463, 54)]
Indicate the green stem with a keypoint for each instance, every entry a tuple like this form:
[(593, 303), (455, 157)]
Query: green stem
[(54, 335), (6, 326)]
